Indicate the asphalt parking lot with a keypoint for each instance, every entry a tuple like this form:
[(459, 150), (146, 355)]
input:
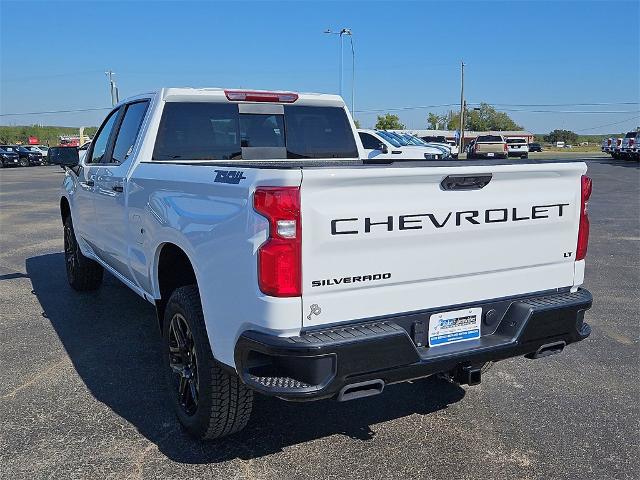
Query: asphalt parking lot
[(82, 395)]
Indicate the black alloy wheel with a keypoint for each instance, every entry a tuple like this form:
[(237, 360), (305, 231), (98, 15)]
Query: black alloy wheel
[(184, 364), (70, 250)]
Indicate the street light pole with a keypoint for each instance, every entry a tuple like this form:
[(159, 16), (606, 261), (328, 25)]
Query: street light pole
[(341, 33), (113, 88)]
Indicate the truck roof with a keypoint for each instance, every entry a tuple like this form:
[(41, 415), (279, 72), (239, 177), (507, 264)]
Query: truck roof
[(214, 94)]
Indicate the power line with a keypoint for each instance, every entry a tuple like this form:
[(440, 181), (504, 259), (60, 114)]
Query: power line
[(398, 109), (55, 111), (425, 107), (608, 124), (567, 111), (600, 104)]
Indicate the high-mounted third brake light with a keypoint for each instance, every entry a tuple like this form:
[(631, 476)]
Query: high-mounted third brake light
[(280, 257), (583, 229), (258, 96)]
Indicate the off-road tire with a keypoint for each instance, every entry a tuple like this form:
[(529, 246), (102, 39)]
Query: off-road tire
[(224, 403), (83, 273)]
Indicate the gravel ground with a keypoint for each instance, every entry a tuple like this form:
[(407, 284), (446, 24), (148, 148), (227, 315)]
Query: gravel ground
[(81, 395)]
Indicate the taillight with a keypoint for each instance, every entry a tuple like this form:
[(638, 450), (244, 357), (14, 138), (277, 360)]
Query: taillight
[(505, 147), (583, 229), (280, 257), (258, 96)]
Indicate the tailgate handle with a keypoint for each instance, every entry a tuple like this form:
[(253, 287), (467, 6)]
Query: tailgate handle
[(465, 182)]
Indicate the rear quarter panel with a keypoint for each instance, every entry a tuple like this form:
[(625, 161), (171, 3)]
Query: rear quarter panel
[(216, 226)]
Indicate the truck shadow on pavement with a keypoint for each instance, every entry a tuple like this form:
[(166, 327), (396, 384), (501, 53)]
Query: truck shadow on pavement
[(112, 339)]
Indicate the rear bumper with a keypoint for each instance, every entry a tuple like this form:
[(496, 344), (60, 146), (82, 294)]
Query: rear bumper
[(518, 153), (490, 155), (321, 363)]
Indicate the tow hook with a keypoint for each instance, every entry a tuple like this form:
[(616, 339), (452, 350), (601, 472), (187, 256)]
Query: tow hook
[(468, 375)]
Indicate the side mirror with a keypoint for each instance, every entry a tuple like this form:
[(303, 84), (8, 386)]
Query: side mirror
[(383, 148), (63, 156)]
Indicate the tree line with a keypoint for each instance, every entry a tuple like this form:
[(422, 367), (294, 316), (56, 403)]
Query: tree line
[(47, 135), (480, 119)]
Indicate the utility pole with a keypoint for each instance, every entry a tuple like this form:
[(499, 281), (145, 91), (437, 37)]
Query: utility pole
[(113, 88), (462, 106)]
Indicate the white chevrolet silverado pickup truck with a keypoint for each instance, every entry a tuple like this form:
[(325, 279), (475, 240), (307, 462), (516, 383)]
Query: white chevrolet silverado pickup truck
[(282, 260)]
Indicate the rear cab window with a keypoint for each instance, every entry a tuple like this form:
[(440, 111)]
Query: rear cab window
[(219, 131), (489, 139)]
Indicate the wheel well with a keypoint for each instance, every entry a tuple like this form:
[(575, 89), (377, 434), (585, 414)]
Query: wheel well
[(174, 271), (65, 210)]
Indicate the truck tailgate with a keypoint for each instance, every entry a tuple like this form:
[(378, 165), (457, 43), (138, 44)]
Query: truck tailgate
[(380, 240), (489, 147)]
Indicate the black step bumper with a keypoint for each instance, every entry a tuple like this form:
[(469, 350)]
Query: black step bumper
[(319, 363)]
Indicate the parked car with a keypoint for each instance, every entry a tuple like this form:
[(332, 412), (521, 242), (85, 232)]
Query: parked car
[(8, 157), (380, 145), (441, 139), (37, 150), (517, 147), (628, 145), (23, 158), (535, 147), (286, 262), (29, 158), (488, 146), (616, 146), (407, 140), (635, 150)]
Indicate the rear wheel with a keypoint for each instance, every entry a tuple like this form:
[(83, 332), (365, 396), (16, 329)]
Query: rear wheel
[(210, 401), (83, 273)]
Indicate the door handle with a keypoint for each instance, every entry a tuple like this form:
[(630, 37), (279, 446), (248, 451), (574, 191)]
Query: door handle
[(465, 182), (118, 188), (88, 183)]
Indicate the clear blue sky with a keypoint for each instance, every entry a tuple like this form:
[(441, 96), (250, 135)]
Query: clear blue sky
[(54, 54)]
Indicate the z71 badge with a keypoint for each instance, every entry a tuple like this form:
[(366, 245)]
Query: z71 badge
[(229, 176)]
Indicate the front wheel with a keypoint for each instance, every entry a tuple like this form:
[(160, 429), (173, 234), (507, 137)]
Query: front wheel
[(24, 162), (83, 273), (210, 401)]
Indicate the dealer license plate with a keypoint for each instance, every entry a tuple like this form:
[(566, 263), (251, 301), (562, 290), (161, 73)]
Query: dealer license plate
[(456, 326), (490, 154)]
